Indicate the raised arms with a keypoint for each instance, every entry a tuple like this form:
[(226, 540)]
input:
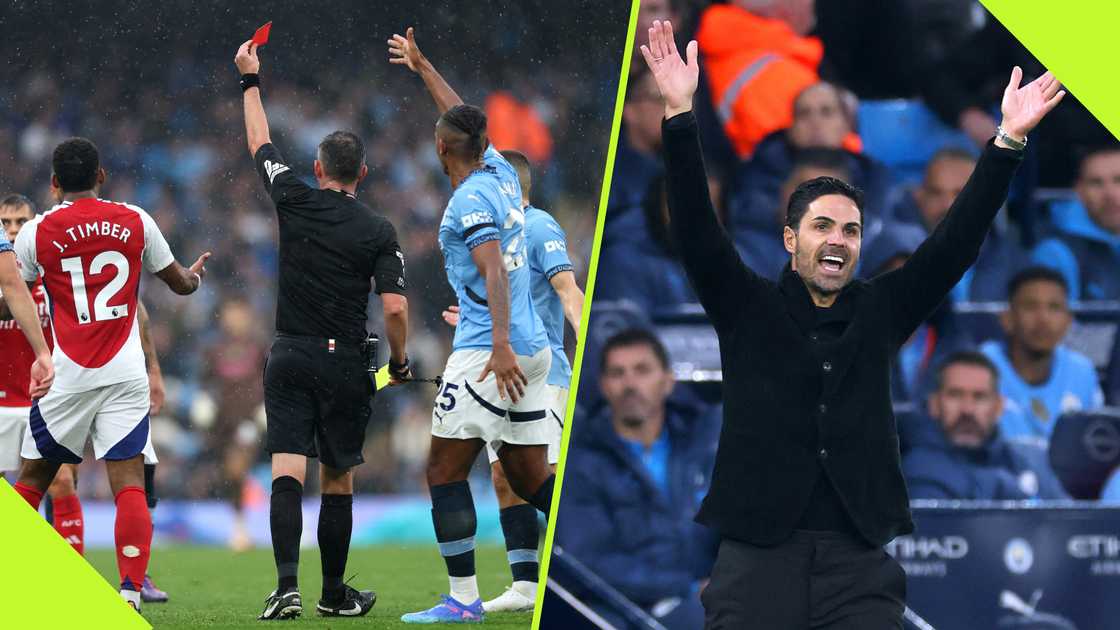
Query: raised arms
[(256, 123), (404, 51)]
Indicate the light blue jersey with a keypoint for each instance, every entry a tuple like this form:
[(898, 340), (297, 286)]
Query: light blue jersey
[(487, 207), (1031, 410), (5, 246), (548, 256)]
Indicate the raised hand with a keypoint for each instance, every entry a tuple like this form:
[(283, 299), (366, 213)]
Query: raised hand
[(246, 58), (1023, 107), (403, 50), (676, 79), (199, 266)]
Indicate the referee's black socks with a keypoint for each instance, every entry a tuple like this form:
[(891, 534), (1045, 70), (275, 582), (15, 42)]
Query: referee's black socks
[(336, 521), (456, 524), (286, 519), (542, 498)]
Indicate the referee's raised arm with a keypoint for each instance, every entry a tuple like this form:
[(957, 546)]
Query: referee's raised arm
[(256, 123), (721, 280)]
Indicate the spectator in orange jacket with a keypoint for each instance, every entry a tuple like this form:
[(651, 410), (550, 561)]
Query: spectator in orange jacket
[(757, 59)]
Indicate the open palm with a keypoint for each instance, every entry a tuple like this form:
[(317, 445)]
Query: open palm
[(676, 79), (1023, 107)]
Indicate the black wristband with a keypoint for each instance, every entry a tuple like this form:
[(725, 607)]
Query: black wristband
[(399, 369), (250, 80)]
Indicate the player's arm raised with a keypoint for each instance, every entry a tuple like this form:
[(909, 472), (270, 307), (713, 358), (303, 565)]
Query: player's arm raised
[(256, 123), (23, 309), (571, 297), (503, 361), (404, 51)]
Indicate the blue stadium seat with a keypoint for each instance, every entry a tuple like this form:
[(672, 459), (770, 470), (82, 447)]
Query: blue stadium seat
[(904, 134)]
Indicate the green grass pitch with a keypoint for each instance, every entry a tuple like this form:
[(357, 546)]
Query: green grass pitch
[(212, 587)]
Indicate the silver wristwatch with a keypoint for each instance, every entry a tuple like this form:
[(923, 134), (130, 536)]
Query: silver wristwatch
[(1009, 141)]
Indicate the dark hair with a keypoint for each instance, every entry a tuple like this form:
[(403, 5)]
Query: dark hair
[(809, 191), (75, 162), (521, 164), (342, 154), (1085, 153), (1035, 274), (634, 337), (471, 122), (17, 200), (966, 357)]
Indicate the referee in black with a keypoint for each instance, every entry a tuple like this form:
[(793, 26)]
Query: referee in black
[(807, 486), (317, 387)]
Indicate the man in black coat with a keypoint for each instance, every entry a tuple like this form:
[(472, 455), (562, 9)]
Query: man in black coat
[(807, 486)]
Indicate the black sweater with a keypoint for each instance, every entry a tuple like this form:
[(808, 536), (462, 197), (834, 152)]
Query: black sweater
[(796, 401)]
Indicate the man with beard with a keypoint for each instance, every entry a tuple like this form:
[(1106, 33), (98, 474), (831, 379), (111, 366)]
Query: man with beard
[(961, 453), (808, 485), (1041, 378), (634, 482)]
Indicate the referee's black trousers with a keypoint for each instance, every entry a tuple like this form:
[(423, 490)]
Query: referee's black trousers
[(815, 579)]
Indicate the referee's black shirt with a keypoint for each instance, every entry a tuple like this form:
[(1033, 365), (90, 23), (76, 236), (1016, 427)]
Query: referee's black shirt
[(331, 245), (807, 394)]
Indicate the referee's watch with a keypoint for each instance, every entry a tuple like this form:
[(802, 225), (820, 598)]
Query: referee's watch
[(400, 370)]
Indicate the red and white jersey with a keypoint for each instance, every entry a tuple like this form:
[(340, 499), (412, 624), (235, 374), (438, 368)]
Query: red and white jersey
[(89, 253), (17, 357)]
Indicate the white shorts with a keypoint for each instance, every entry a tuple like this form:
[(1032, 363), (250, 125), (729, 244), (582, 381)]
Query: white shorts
[(557, 398), (13, 426), (466, 409), (115, 417)]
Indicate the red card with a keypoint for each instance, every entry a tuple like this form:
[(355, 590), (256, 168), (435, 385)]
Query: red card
[(260, 38)]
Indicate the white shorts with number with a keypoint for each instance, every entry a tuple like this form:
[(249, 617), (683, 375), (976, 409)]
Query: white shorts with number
[(13, 425), (114, 417), (557, 403), (466, 409)]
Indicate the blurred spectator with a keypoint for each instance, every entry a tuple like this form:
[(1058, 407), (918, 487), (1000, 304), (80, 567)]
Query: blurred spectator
[(635, 482), (1040, 378), (959, 452), (757, 59), (935, 338), (823, 117), (512, 124), (1086, 244), (966, 86), (761, 247), (928, 203), (645, 271), (637, 161), (863, 54), (233, 368)]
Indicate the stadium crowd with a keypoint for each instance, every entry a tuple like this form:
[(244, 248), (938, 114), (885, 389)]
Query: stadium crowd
[(896, 98), (170, 130)]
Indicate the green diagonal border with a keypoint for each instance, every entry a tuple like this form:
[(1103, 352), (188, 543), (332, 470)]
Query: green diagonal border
[(604, 195), (1076, 41), (37, 562)]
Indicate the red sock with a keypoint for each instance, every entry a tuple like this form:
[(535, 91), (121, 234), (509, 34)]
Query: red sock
[(68, 521), (133, 536), (29, 494)]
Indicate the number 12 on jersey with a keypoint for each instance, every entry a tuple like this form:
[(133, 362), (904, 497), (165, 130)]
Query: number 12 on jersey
[(102, 310)]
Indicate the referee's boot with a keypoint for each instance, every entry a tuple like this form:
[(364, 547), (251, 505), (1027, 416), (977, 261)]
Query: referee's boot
[(354, 603), (285, 605)]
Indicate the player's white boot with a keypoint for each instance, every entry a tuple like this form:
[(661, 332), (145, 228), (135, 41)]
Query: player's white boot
[(132, 598), (520, 597)]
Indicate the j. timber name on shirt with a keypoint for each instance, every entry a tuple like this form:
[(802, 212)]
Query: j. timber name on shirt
[(96, 228)]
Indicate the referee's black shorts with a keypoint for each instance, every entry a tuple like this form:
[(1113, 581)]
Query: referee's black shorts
[(317, 402)]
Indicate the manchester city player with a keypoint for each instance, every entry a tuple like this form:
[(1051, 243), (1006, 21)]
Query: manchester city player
[(494, 384), (556, 296)]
